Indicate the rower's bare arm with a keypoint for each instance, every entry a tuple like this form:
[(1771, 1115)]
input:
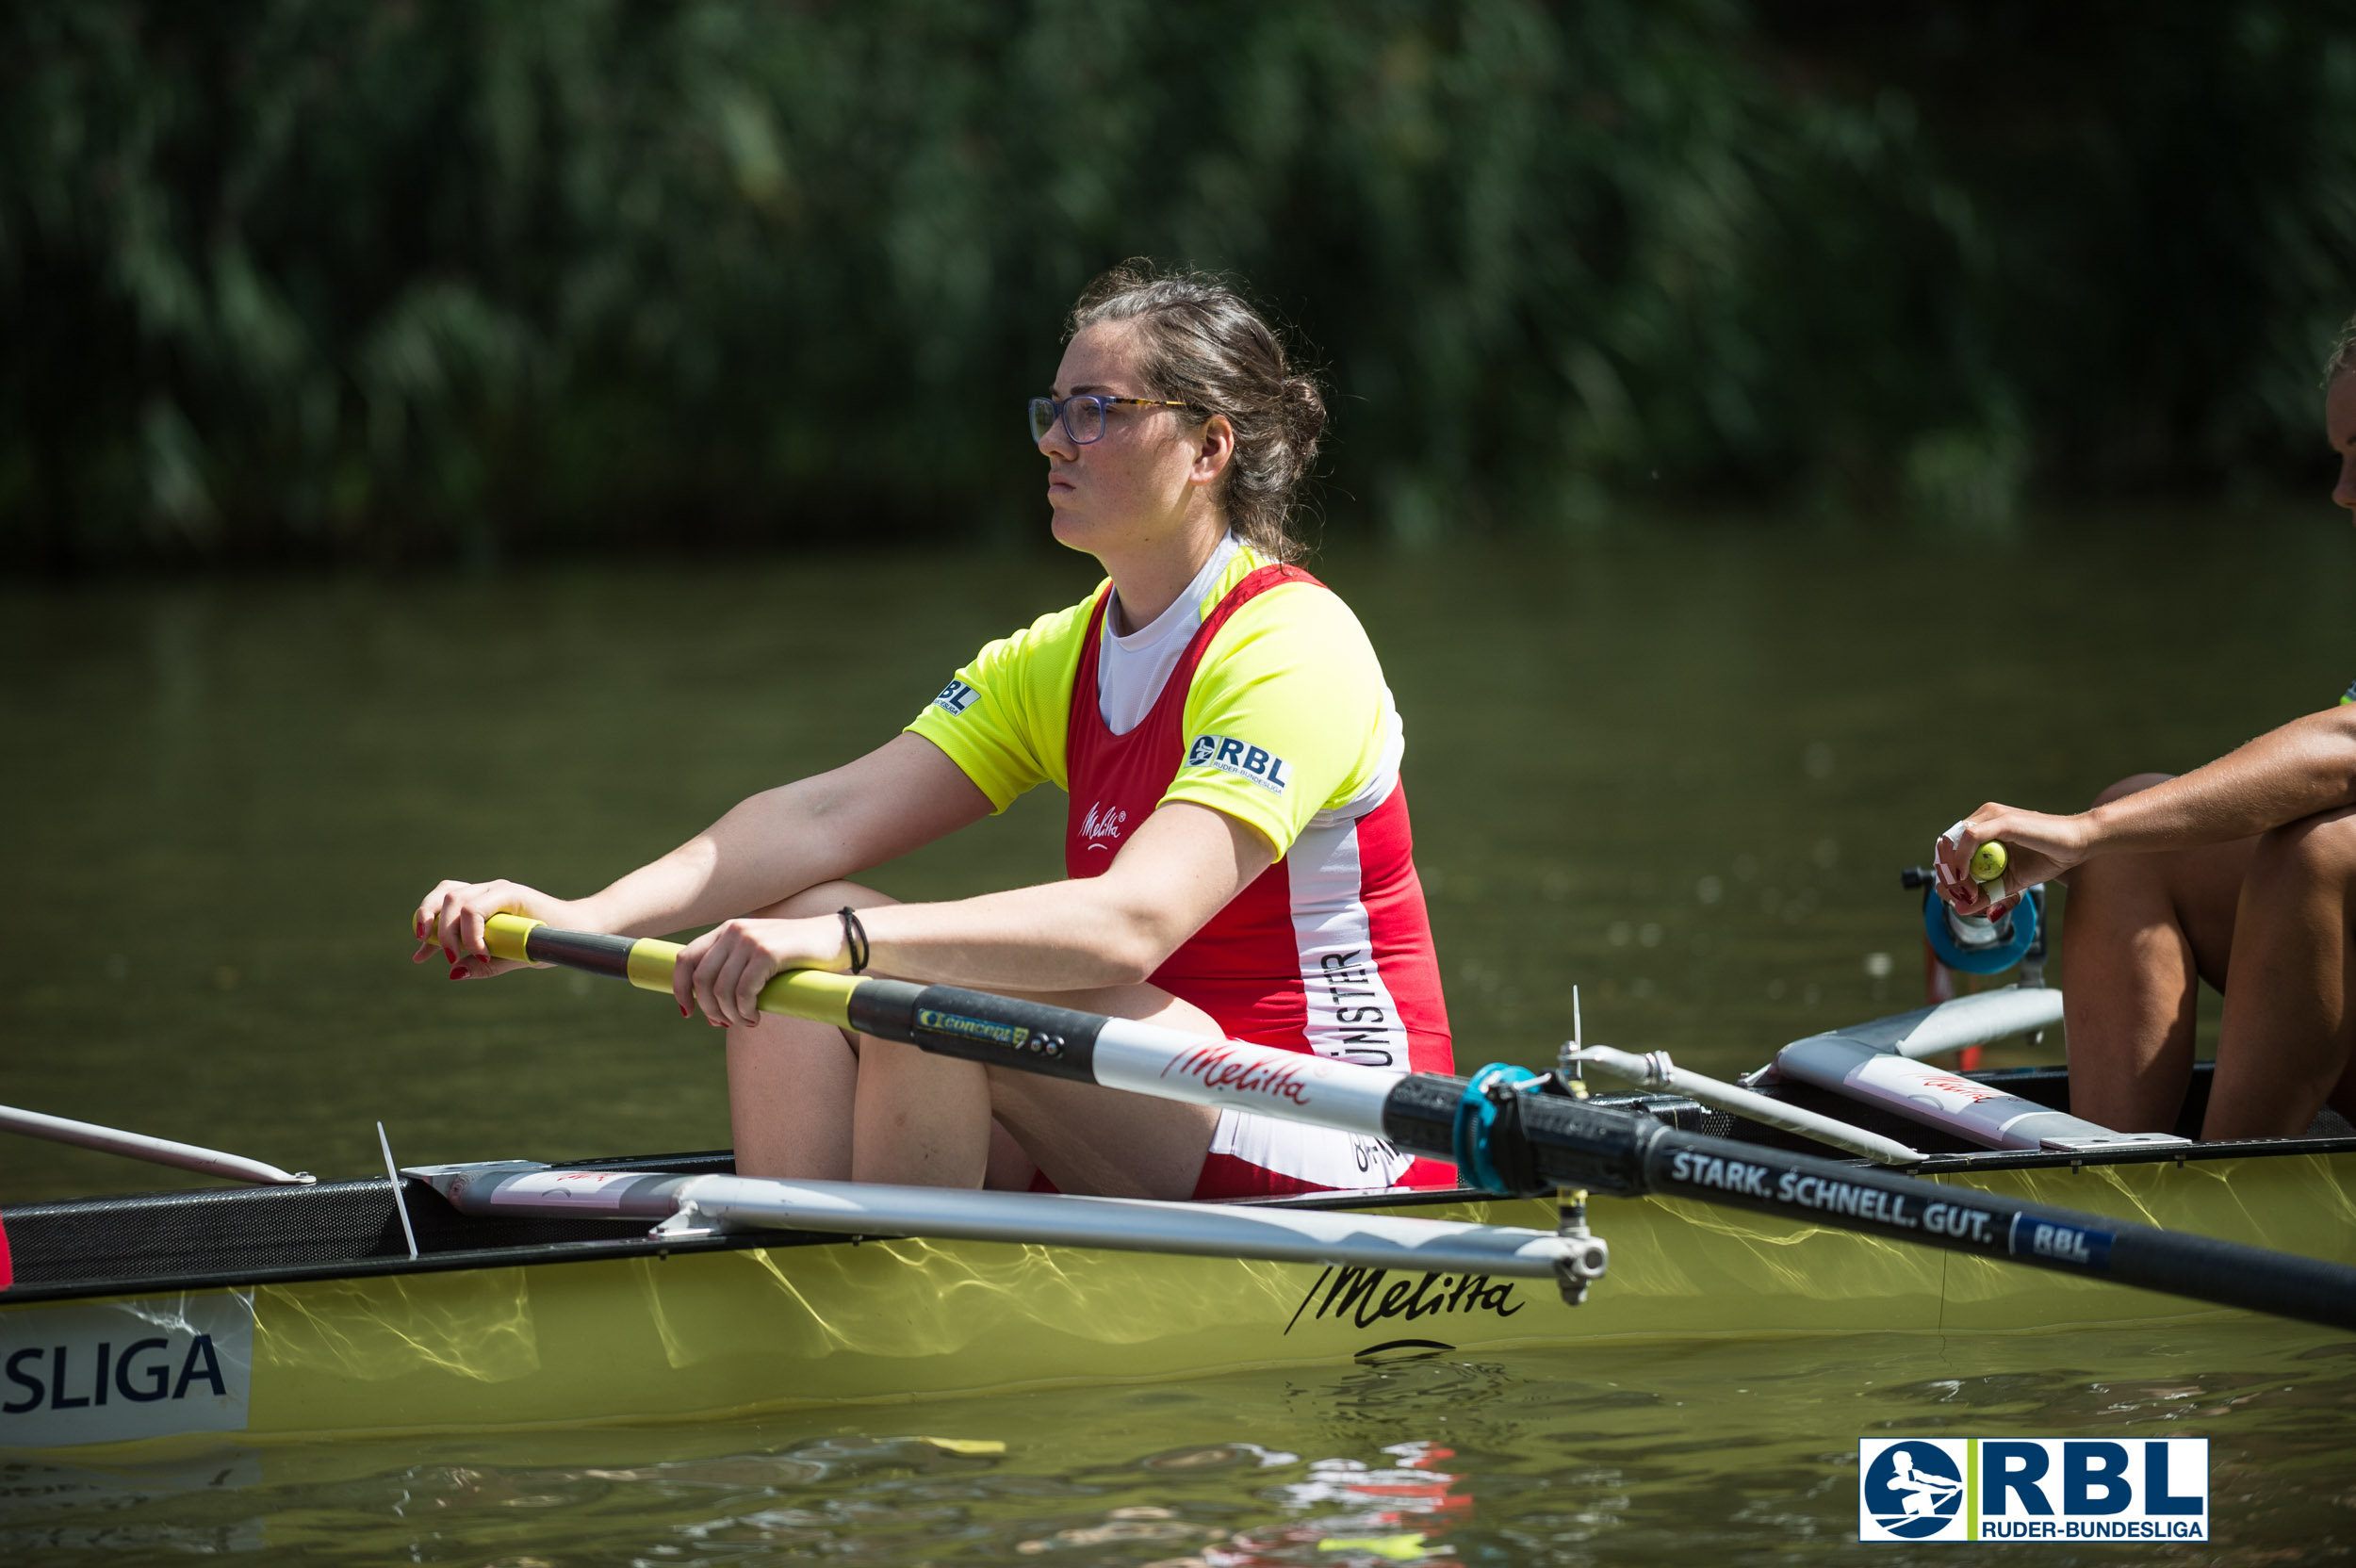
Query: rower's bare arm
[(1181, 866), (903, 795), (2306, 766)]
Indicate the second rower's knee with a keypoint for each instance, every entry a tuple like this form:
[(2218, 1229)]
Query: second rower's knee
[(2317, 850), (2131, 785)]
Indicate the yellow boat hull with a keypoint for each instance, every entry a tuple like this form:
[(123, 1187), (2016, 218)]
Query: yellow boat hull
[(702, 1333)]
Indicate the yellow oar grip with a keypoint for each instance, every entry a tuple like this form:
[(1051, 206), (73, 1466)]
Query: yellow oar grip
[(811, 993), (505, 935), (652, 960)]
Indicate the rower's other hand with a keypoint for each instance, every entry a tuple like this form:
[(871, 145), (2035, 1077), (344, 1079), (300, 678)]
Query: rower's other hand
[(2038, 848), (449, 923), (722, 972)]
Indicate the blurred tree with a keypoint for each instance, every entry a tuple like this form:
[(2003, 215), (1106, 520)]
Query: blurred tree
[(392, 279)]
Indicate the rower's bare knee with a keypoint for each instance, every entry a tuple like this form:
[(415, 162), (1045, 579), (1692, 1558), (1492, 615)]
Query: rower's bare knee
[(2129, 785), (824, 899), (2318, 852)]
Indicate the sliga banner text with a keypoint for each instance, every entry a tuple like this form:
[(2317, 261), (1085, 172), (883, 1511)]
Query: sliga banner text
[(2033, 1489)]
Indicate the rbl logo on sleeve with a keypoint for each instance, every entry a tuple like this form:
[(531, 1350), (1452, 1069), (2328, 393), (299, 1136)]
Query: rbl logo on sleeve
[(955, 699), (2033, 1489), (1239, 757)]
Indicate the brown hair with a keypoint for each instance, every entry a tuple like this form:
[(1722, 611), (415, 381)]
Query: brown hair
[(1206, 347), (2342, 354)]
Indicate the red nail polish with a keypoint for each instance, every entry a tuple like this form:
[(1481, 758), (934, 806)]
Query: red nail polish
[(686, 1011), (457, 971), (451, 954)]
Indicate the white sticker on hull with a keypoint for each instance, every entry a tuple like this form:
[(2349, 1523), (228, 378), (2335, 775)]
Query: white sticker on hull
[(108, 1373), (575, 1189)]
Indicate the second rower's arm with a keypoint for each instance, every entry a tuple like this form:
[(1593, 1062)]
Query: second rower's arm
[(1181, 866), (2306, 766)]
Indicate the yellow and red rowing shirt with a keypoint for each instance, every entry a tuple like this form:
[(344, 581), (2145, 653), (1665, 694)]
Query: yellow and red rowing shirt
[(1257, 695)]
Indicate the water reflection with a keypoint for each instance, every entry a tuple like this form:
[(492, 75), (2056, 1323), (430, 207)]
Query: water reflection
[(1666, 1454)]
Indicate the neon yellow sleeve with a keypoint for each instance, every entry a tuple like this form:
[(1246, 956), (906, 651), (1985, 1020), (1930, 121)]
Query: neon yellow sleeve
[(1289, 716), (1002, 720)]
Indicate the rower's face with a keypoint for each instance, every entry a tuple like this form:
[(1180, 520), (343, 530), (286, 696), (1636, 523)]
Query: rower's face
[(2339, 423), (1130, 486)]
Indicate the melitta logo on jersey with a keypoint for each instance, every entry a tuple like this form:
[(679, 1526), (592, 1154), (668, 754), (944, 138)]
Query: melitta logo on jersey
[(1103, 822), (956, 698), (1239, 757), (2033, 1489)]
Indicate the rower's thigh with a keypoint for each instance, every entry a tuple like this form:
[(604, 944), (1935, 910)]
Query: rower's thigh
[(1088, 1139)]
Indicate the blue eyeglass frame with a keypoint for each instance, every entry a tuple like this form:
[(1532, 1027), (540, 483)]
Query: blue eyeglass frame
[(1056, 414)]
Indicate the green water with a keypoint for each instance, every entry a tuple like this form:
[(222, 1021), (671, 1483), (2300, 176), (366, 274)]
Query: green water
[(1717, 1453), (1678, 768)]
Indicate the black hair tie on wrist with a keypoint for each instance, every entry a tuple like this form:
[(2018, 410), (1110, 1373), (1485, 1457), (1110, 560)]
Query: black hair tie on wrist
[(855, 937)]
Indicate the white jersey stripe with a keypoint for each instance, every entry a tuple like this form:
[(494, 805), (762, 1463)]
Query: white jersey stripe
[(1322, 1156), (1350, 1015)]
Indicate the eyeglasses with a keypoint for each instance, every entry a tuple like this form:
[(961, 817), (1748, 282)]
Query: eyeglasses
[(1083, 415)]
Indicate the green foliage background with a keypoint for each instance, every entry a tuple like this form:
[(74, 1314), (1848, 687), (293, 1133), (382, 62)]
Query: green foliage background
[(403, 279)]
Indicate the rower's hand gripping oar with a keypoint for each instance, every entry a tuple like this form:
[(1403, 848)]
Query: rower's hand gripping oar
[(648, 962), (1505, 1133)]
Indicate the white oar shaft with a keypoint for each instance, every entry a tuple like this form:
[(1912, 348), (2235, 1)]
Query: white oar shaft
[(138, 1146), (1145, 1059)]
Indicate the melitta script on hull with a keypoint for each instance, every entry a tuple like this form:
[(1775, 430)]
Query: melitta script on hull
[(1365, 1297)]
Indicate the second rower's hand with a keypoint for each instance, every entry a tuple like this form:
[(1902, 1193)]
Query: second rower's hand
[(2304, 767)]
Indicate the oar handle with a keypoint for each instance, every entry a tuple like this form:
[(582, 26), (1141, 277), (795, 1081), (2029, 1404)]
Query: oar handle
[(648, 963)]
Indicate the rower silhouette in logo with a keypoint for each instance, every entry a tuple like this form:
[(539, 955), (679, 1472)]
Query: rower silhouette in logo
[(1913, 1490)]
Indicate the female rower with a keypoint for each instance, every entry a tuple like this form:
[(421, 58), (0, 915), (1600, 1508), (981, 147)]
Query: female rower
[(1237, 853), (2245, 867)]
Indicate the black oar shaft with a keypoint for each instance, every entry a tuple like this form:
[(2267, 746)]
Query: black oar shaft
[(1566, 1143), (1534, 1143)]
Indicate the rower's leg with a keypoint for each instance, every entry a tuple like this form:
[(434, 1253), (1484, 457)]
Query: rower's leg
[(928, 1121), (792, 1083), (2139, 933), (1088, 1139), (2284, 1048)]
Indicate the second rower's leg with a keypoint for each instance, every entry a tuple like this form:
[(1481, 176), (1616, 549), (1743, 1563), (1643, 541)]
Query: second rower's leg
[(2139, 933), (2285, 1045)]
